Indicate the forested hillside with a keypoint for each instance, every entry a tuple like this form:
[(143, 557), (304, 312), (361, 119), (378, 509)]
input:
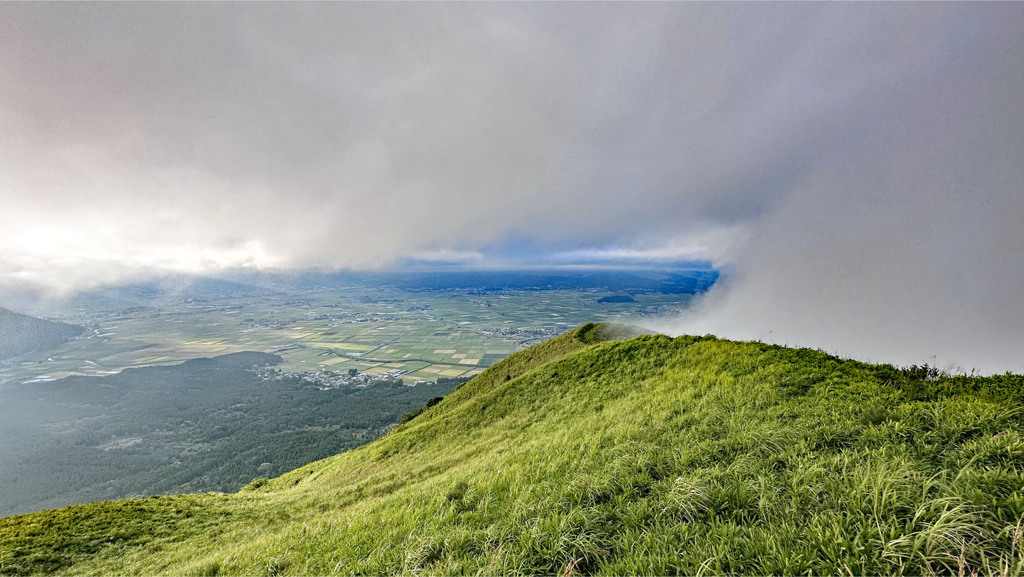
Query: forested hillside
[(203, 425), (20, 334)]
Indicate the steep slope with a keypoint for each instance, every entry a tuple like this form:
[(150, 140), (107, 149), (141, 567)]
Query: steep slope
[(646, 456), (20, 334)]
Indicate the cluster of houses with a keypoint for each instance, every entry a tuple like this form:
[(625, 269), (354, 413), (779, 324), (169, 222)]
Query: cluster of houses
[(331, 380), (541, 333)]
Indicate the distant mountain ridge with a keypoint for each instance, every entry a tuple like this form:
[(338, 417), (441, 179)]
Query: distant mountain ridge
[(20, 334)]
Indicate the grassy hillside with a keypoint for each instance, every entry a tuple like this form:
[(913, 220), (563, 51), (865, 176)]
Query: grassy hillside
[(646, 456), (20, 334)]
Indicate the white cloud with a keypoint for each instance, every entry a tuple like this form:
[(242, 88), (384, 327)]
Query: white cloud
[(719, 245)]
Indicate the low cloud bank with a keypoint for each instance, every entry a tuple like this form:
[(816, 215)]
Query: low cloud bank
[(903, 242), (903, 254)]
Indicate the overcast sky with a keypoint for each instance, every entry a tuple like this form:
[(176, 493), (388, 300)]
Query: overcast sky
[(859, 166)]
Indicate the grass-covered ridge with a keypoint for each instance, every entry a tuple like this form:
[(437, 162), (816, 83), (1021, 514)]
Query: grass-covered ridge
[(646, 456)]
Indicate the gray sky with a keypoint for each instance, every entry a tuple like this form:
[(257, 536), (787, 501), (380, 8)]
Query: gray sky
[(858, 165)]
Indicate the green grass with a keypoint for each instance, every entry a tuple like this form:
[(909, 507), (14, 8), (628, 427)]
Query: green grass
[(579, 455)]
